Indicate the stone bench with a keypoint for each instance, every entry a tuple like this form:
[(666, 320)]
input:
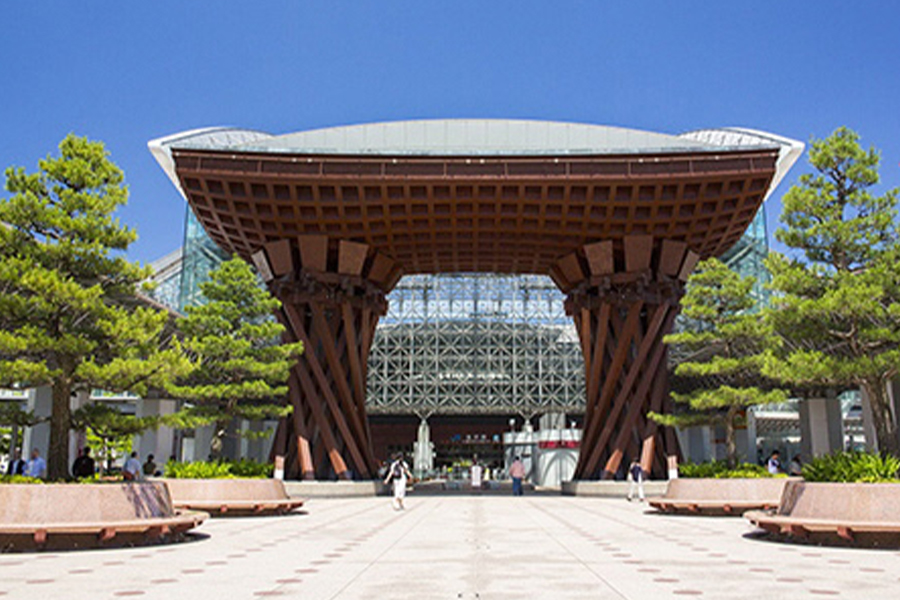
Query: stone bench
[(719, 497), (66, 516), (858, 514), (233, 497)]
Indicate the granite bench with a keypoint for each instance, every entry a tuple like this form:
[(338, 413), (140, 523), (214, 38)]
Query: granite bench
[(719, 497), (856, 514), (67, 516), (232, 497)]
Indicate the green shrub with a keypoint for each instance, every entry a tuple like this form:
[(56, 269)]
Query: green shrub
[(222, 469), (252, 469), (100, 477), (198, 470), (718, 469), (19, 479), (701, 470), (852, 467), (747, 471)]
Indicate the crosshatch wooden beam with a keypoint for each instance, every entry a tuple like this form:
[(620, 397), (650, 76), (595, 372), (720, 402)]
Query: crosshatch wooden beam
[(332, 235), (330, 306), (621, 318)]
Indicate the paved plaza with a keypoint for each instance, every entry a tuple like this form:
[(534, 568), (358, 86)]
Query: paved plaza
[(461, 547)]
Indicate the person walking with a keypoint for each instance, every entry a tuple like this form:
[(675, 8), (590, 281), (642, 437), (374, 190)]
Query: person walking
[(398, 475), (37, 466), (475, 472), (635, 480), (517, 473)]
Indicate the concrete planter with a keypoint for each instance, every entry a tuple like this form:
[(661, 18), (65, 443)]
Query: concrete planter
[(609, 489), (336, 489), (232, 497), (854, 514), (66, 516), (719, 497)]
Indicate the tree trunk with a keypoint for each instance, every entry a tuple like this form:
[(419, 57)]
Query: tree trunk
[(882, 417), (60, 422), (107, 456), (730, 442)]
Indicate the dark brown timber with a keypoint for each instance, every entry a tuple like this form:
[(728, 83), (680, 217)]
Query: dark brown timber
[(619, 235)]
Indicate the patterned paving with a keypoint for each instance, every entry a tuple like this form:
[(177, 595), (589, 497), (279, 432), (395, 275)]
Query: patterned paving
[(462, 547)]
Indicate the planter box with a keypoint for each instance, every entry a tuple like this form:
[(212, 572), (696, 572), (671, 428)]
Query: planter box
[(232, 497), (608, 489), (336, 489), (854, 514), (66, 516), (719, 497)]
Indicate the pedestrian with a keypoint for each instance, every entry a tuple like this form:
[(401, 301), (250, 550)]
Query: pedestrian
[(149, 467), (774, 463), (132, 469), (476, 472), (398, 474), (517, 472), (635, 480), (37, 466), (17, 465), (84, 465)]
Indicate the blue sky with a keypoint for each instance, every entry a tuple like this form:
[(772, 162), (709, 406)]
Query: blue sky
[(127, 72)]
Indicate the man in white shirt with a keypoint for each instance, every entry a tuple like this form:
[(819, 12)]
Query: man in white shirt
[(37, 466), (476, 473)]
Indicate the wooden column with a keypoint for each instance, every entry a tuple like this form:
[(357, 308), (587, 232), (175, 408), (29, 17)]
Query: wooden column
[(624, 299), (332, 294)]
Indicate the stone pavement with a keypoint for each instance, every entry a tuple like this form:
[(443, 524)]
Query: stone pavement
[(461, 547)]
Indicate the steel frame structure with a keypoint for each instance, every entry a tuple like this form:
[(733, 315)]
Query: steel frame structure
[(475, 343)]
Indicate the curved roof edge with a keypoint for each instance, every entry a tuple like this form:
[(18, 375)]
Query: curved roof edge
[(474, 137), (500, 137), (789, 150), (205, 137)]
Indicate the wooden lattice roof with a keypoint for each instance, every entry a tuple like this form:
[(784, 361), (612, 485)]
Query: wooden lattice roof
[(472, 214)]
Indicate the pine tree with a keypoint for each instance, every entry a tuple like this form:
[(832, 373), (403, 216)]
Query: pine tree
[(68, 315), (838, 302), (242, 370), (725, 342)]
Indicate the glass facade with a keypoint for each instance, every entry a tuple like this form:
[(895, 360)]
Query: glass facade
[(475, 343), (168, 291), (201, 255), (747, 256), (167, 279)]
